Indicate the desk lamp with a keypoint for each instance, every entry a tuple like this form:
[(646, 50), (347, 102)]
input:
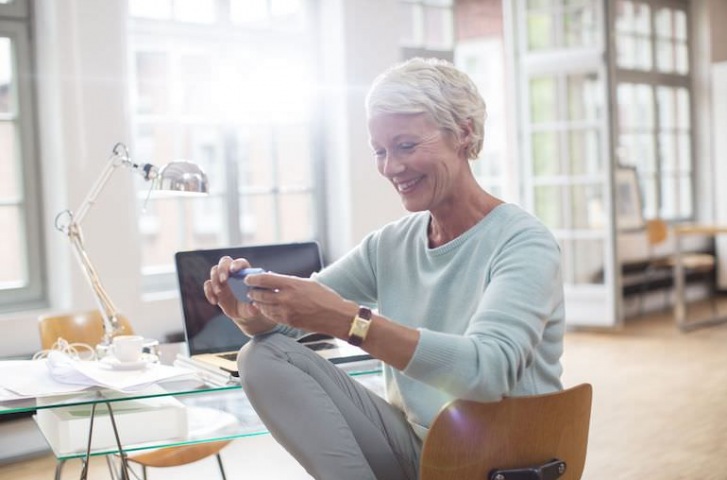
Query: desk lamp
[(177, 178)]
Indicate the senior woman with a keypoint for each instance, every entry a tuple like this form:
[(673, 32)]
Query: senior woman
[(461, 298)]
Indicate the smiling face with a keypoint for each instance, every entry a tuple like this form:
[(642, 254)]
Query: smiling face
[(425, 164)]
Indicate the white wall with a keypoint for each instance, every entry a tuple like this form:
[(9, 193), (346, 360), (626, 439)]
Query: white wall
[(83, 112)]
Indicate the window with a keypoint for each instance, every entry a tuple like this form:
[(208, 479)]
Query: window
[(21, 252), (654, 131), (427, 28), (564, 148), (228, 85)]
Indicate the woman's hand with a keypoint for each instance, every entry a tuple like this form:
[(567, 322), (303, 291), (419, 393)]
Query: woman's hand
[(245, 315), (301, 303)]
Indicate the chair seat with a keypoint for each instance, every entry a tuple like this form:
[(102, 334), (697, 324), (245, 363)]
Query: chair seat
[(691, 261), (175, 456)]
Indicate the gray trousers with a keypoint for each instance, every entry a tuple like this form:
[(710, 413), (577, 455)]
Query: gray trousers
[(333, 426)]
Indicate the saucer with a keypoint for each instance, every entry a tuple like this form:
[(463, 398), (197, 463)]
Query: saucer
[(116, 364)]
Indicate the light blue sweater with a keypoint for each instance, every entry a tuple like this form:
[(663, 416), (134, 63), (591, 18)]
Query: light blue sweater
[(488, 304)]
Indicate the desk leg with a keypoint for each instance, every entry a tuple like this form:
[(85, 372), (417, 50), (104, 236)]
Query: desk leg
[(680, 306), (59, 469), (87, 458), (122, 455)]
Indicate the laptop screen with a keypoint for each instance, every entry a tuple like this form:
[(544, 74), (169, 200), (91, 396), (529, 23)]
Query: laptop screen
[(206, 328)]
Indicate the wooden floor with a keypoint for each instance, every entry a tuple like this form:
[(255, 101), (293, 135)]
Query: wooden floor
[(659, 411)]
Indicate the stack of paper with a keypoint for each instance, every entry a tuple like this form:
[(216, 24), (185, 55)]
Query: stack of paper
[(59, 374)]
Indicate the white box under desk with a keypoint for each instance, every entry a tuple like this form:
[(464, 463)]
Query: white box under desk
[(137, 421)]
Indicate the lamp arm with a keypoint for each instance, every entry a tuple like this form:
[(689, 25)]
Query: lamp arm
[(70, 225), (108, 310), (119, 157)]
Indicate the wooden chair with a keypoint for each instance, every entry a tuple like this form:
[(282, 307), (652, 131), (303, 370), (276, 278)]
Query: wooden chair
[(87, 327), (541, 437)]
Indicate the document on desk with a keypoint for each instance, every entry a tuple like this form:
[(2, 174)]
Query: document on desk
[(30, 378), (59, 374)]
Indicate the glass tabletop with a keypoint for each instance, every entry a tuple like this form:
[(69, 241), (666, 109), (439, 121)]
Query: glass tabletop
[(211, 412)]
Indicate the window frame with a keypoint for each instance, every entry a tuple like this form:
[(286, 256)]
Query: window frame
[(15, 23)]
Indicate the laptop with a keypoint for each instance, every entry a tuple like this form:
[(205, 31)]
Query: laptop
[(211, 337)]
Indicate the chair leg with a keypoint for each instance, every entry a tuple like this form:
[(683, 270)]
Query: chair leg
[(222, 468)]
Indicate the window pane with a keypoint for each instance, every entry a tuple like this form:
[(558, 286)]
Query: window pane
[(10, 180), (543, 100), (540, 30), (580, 27), (666, 103), (638, 150), (684, 143), (545, 154), (584, 97), (257, 164), (680, 25), (664, 23), (152, 83), (249, 12), (197, 80), (681, 58), (296, 210), (665, 56), (172, 224), (410, 20), (195, 11), (667, 146), (587, 261), (293, 148), (12, 254), (258, 219), (683, 114), (586, 207), (685, 197), (438, 24), (548, 204), (7, 93), (584, 151), (635, 107), (157, 9)]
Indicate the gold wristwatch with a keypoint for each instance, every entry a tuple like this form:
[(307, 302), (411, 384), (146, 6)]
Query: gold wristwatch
[(359, 326)]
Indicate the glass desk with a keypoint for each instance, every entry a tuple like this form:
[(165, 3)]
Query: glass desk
[(191, 392)]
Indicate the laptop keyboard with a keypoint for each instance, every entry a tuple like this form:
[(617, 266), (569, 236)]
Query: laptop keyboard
[(320, 346), (315, 346)]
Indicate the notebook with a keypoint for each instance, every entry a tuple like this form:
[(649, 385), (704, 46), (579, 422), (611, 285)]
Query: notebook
[(213, 338)]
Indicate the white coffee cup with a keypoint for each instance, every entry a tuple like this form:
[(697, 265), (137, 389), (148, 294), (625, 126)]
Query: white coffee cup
[(127, 348)]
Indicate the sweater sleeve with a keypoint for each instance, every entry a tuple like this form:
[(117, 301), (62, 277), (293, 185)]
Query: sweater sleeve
[(506, 331), (353, 276)]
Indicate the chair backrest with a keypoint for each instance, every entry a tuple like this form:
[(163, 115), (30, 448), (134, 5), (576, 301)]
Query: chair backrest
[(82, 327), (657, 230), (467, 440)]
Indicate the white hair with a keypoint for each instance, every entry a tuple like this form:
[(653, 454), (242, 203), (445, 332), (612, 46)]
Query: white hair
[(435, 87)]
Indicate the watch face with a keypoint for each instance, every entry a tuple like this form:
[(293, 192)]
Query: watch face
[(360, 327)]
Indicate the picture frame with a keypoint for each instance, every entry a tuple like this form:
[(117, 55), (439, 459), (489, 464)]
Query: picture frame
[(627, 198)]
